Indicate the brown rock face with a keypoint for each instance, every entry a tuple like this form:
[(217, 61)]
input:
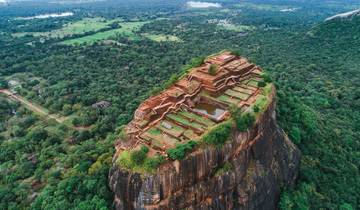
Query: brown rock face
[(263, 160)]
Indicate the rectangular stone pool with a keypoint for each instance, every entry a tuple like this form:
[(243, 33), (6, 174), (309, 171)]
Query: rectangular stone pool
[(210, 110)]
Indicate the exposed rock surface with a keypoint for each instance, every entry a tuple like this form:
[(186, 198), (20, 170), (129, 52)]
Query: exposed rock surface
[(263, 160)]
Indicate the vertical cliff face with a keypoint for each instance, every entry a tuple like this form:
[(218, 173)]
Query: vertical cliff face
[(262, 160)]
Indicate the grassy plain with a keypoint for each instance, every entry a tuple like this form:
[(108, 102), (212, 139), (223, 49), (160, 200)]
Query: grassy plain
[(237, 28), (79, 27), (127, 29)]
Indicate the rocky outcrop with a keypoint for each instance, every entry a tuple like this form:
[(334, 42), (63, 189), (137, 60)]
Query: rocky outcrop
[(263, 160)]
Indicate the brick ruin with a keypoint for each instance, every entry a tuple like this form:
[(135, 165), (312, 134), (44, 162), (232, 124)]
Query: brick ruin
[(198, 101)]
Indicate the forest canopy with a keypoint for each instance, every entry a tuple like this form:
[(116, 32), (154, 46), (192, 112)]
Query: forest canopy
[(135, 47)]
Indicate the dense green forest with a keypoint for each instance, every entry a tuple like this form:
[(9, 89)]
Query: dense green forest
[(45, 164)]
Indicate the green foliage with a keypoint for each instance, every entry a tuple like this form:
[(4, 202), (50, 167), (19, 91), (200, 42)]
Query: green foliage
[(235, 52), (298, 199), (138, 161), (261, 84), (224, 168), (212, 69), (295, 135), (219, 134), (69, 174), (243, 120), (314, 64), (3, 84), (138, 156), (179, 152), (346, 206), (256, 108), (195, 62), (122, 133), (153, 163), (266, 78)]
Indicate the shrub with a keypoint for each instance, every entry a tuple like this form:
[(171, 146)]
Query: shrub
[(196, 62), (224, 168), (124, 160), (219, 134), (256, 108), (266, 78), (83, 135), (138, 160), (122, 133), (179, 152), (235, 52), (3, 84), (244, 121), (138, 156), (173, 79), (212, 69), (76, 121), (261, 84), (153, 163)]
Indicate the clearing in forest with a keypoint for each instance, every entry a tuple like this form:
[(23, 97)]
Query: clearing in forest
[(236, 28), (127, 29), (162, 37), (79, 27)]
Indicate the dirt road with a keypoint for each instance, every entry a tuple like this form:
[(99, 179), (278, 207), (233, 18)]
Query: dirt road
[(33, 107)]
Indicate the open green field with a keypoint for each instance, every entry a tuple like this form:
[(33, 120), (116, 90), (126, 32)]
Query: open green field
[(237, 28), (127, 29), (162, 38), (79, 27)]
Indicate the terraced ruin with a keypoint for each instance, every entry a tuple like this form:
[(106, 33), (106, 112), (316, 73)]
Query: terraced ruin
[(209, 141), (196, 103)]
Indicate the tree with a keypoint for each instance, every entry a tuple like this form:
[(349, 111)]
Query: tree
[(179, 152), (138, 156), (219, 134), (212, 69), (261, 84), (243, 120), (295, 135), (3, 84)]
